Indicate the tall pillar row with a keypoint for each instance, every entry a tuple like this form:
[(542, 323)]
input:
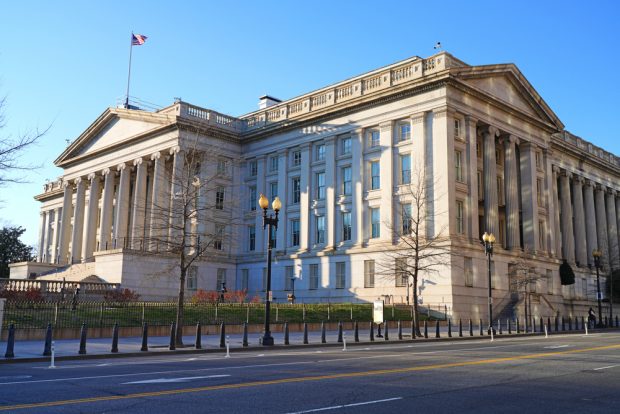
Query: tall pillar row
[(581, 252), (78, 221), (590, 217), (612, 225), (491, 221), (512, 197), (568, 243), (601, 224)]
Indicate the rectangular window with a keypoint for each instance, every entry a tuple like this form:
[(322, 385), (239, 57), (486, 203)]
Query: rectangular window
[(469, 272), (320, 186), (406, 217), (296, 158), (457, 128), (346, 180), (375, 175), (222, 167), (346, 226), (369, 273), (538, 160), (294, 232), (539, 192), (549, 282), (252, 238), (320, 152), (341, 275), (252, 198), (253, 168), (273, 164), (374, 138), (192, 278), (400, 272), (460, 219), (245, 278), (288, 277), (320, 229), (273, 190), (219, 198), (314, 277), (405, 169), (458, 165), (345, 146), (404, 132), (218, 236), (541, 235), (375, 223), (221, 279), (296, 190)]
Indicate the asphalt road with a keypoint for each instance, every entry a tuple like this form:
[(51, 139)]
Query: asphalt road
[(563, 373)]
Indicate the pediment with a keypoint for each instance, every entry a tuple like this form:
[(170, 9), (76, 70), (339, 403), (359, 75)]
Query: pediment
[(113, 128), (506, 84)]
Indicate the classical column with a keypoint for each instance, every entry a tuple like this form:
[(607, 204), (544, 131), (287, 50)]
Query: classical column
[(105, 222), (44, 252), (65, 225), (330, 193), (612, 218), (304, 201), (357, 186), (529, 199), (122, 207), (472, 178), (139, 205), (41, 236), (556, 203), (386, 180), (568, 241), (491, 223), (513, 239), (581, 252), (156, 223), (78, 220), (601, 224), (551, 206), (176, 186), (55, 236), (282, 192), (90, 219), (443, 194), (590, 219), (261, 233), (618, 218)]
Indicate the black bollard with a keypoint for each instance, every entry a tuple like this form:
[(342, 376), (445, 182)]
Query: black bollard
[(305, 333), (173, 333), (460, 328), (387, 336), (509, 323), (372, 331), (617, 326), (323, 339), (412, 329), (145, 337), (115, 338), (379, 331), (198, 341), (286, 338), (449, 328), (542, 325), (10, 342), (499, 327), (222, 335), (570, 323), (356, 333), (245, 334), (399, 327), (563, 324), (339, 332), (606, 321), (425, 329), (471, 328), (47, 349), (583, 323), (481, 330), (83, 333), (557, 321), (437, 335), (548, 324)]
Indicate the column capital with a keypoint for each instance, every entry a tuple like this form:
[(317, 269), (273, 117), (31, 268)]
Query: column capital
[(528, 145), (566, 173), (77, 181), (441, 112), (155, 156), (66, 184), (330, 140), (511, 139), (174, 150), (471, 119), (385, 126), (555, 169), (105, 171), (305, 145), (121, 166), (611, 191), (417, 118), (588, 183), (283, 152), (357, 132), (137, 162), (489, 130), (260, 157), (598, 187), (93, 176), (578, 179)]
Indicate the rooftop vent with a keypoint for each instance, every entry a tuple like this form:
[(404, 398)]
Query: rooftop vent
[(266, 101)]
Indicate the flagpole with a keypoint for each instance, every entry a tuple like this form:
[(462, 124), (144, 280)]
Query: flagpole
[(129, 71)]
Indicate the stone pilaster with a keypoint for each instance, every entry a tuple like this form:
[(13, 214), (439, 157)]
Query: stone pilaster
[(40, 244), (65, 225), (139, 205), (282, 193), (387, 180), (357, 186), (55, 235), (330, 193), (491, 222), (158, 200), (472, 178), (581, 252), (612, 218), (262, 236), (122, 207), (556, 203), (90, 218), (553, 231), (529, 200), (512, 197), (176, 188), (44, 253), (304, 200), (78, 221), (105, 223), (568, 241), (590, 218), (601, 224)]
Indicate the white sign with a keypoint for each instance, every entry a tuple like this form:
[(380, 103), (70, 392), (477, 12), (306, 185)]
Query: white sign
[(377, 311)]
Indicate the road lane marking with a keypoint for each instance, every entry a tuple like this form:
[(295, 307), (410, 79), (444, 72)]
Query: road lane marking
[(607, 367), (303, 379), (556, 346), (336, 407), (173, 380)]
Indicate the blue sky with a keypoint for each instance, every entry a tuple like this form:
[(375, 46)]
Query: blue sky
[(63, 63)]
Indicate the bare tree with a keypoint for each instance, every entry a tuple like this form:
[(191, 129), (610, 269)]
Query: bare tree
[(522, 276), (422, 248), (12, 149), (193, 220)]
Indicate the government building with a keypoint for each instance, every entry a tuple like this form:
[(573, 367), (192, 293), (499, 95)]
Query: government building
[(464, 149)]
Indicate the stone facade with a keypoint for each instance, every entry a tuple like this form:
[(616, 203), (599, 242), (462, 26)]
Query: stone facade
[(498, 160)]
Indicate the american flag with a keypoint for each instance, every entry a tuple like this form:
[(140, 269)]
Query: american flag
[(137, 39)]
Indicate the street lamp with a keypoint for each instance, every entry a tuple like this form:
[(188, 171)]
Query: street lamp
[(269, 222), (597, 263), (488, 239)]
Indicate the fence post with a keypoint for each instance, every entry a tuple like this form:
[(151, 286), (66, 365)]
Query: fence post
[(399, 327), (172, 346), (323, 339), (216, 312)]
